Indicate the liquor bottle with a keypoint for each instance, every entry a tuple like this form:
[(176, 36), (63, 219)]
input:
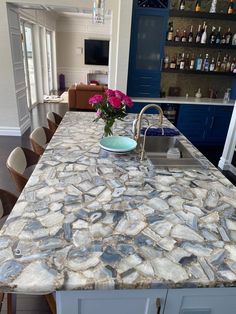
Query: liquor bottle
[(177, 37), (199, 35), (166, 62), (228, 65), (230, 7), (223, 40), (192, 62), (212, 37), (218, 36), (199, 63), (182, 62), (204, 36), (173, 63), (223, 64), (205, 66), (187, 62), (218, 63), (190, 35), (233, 65), (212, 65), (198, 6), (178, 60), (228, 37), (182, 5), (184, 37), (170, 32), (234, 40)]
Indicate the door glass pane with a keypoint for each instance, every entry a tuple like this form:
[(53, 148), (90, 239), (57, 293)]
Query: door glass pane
[(30, 61), (25, 65), (49, 59), (150, 32)]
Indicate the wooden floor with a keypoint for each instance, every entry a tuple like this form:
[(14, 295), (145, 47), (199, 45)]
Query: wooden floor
[(26, 304)]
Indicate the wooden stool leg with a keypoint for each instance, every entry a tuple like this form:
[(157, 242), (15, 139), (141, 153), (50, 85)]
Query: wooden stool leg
[(11, 303), (51, 302)]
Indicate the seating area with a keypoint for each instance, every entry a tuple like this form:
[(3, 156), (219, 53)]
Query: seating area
[(18, 162), (78, 95)]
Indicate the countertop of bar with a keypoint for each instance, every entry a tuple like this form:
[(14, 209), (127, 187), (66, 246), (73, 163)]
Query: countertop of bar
[(91, 219)]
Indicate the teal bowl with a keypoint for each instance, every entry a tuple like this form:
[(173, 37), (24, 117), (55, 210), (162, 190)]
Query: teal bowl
[(118, 144)]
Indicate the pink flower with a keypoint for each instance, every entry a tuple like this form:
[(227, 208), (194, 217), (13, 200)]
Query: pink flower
[(119, 94), (109, 92), (115, 102), (127, 101), (95, 99), (99, 113)]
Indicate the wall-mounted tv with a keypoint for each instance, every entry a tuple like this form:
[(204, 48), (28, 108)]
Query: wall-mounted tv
[(96, 52)]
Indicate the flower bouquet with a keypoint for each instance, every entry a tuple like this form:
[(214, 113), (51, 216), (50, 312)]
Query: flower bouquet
[(110, 107)]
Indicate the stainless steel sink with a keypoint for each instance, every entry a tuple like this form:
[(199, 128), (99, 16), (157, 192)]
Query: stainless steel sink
[(156, 148)]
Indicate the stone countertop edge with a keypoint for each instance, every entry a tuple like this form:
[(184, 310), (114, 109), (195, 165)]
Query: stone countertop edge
[(184, 101), (90, 220)]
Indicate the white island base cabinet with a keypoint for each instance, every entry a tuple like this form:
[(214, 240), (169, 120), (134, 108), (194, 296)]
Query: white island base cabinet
[(153, 301)]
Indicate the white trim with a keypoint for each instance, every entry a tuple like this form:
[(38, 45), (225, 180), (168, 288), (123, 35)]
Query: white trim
[(7, 131)]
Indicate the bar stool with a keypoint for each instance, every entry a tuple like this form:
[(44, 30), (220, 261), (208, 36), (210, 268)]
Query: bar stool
[(54, 120), (18, 161), (39, 139)]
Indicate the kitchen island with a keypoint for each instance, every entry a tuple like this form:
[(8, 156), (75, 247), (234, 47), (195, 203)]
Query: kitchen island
[(111, 234)]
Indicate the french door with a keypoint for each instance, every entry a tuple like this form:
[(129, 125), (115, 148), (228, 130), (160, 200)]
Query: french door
[(49, 60), (29, 62)]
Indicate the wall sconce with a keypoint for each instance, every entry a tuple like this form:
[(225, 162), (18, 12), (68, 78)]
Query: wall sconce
[(98, 11)]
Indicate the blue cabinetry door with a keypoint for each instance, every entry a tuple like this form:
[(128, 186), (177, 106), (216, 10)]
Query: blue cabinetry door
[(146, 50), (218, 124), (192, 122)]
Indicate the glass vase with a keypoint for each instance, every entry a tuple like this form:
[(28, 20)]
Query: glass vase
[(108, 127)]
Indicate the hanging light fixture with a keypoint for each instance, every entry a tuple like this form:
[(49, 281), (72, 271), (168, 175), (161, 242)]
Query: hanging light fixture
[(98, 11)]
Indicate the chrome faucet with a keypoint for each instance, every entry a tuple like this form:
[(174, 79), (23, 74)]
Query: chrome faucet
[(137, 126)]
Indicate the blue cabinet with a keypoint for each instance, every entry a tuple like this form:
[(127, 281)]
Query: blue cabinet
[(204, 125), (149, 26)]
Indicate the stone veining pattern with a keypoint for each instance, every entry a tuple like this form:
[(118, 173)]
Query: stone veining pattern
[(89, 219)]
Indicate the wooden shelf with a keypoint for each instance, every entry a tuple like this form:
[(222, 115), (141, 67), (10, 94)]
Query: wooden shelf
[(194, 45), (203, 15), (198, 72)]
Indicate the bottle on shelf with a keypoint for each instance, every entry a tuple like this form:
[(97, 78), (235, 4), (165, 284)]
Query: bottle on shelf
[(205, 66), (212, 37), (228, 37), (198, 93), (182, 62), (218, 36), (198, 64), (212, 65), (228, 65), (184, 37), (233, 65), (199, 35), (218, 63), (223, 64), (234, 40), (192, 62), (223, 40), (166, 62), (204, 36), (177, 36), (230, 7), (182, 5), (190, 35), (187, 62), (173, 63), (178, 60), (170, 32), (198, 6)]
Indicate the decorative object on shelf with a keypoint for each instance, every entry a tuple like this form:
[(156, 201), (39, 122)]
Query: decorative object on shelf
[(110, 107), (198, 6), (198, 93), (227, 95), (213, 6), (98, 11), (118, 144), (230, 7)]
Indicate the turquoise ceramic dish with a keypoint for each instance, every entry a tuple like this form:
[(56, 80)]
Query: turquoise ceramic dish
[(118, 144)]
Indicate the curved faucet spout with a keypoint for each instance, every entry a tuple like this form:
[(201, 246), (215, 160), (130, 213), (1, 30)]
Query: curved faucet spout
[(140, 117)]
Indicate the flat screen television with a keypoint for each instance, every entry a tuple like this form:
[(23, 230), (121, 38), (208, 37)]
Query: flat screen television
[(96, 52)]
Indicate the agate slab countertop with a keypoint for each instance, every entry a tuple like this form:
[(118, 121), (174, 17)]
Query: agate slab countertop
[(88, 219)]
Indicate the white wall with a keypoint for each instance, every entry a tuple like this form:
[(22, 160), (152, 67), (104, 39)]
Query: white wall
[(120, 33), (70, 36)]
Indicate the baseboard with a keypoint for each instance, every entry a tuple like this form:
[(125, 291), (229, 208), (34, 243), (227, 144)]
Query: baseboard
[(7, 131)]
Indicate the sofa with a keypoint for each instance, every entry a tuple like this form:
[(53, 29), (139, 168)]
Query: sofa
[(78, 95)]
